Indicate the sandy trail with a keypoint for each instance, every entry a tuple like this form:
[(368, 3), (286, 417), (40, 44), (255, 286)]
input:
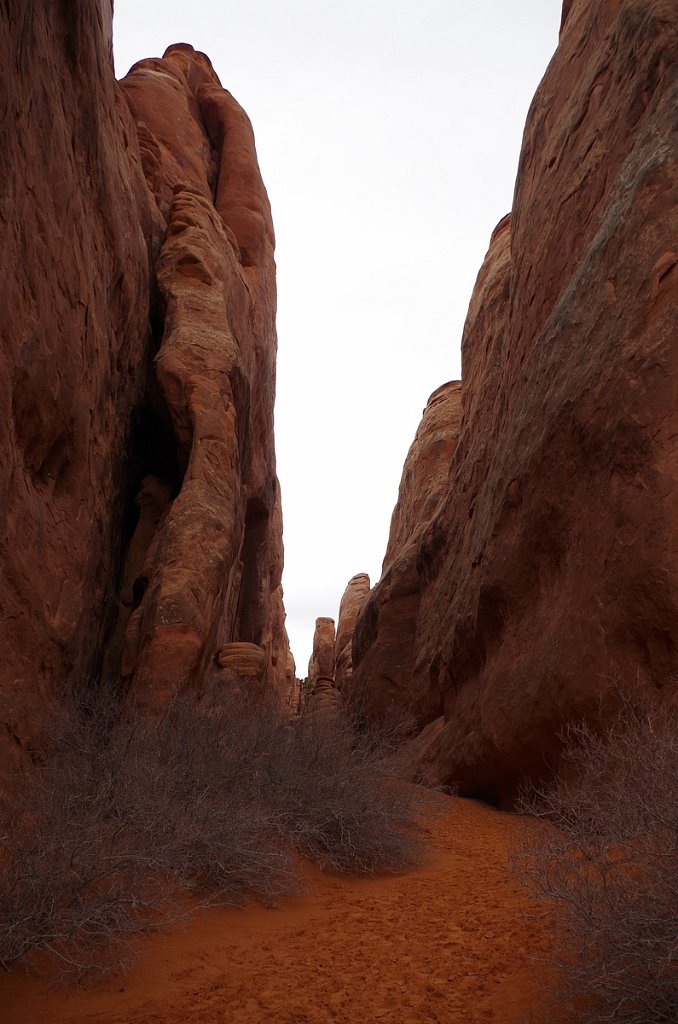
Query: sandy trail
[(447, 943)]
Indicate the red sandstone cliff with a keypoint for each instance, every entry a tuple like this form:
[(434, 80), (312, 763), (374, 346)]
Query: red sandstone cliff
[(139, 505), (383, 647), (213, 569), (352, 603), (76, 227), (549, 568)]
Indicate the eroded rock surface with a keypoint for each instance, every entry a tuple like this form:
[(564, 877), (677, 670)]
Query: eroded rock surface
[(323, 696), (383, 647), (427, 467), (549, 568), (321, 664), (219, 554), (352, 602), (325, 701), (76, 230), (139, 502), (242, 667)]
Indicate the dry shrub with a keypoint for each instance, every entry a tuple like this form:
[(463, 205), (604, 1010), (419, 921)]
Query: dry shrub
[(609, 868), (343, 797), (124, 816)]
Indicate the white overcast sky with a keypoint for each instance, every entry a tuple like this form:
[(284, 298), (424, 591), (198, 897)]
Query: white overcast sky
[(388, 135)]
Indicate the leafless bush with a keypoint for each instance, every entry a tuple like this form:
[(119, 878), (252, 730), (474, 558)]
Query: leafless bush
[(609, 867), (343, 797), (124, 815)]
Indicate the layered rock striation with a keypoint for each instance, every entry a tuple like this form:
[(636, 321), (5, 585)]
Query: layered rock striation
[(139, 503), (215, 575), (321, 663), (546, 576), (323, 696)]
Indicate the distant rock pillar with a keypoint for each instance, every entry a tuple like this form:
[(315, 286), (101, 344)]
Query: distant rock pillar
[(324, 699), (355, 595), (246, 661), (322, 658)]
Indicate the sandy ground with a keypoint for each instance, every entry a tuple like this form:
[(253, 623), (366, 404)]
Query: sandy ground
[(447, 943)]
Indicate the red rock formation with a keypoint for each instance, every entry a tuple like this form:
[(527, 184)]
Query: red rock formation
[(106, 9), (243, 666), (567, 7), (324, 698), (321, 664), (325, 701), (219, 556), (107, 226), (383, 644), (427, 467), (247, 661), (76, 224), (352, 601), (549, 569), (354, 597), (295, 694)]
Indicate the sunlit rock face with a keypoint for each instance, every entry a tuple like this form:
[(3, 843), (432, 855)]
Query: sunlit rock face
[(139, 501), (549, 567)]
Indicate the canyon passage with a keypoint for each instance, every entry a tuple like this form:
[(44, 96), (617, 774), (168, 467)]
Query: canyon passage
[(530, 578)]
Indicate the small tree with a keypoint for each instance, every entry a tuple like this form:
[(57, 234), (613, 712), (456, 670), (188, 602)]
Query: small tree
[(608, 866)]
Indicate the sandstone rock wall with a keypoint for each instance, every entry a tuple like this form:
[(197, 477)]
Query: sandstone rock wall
[(213, 575), (383, 647), (139, 503), (426, 471), (549, 569), (76, 232), (321, 663), (352, 603), (324, 699)]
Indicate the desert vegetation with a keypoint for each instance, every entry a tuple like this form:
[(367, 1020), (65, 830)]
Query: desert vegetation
[(125, 820), (606, 867)]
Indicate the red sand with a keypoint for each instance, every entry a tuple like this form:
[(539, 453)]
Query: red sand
[(447, 943)]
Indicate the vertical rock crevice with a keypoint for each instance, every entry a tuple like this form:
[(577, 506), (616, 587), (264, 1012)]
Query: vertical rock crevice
[(251, 609)]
